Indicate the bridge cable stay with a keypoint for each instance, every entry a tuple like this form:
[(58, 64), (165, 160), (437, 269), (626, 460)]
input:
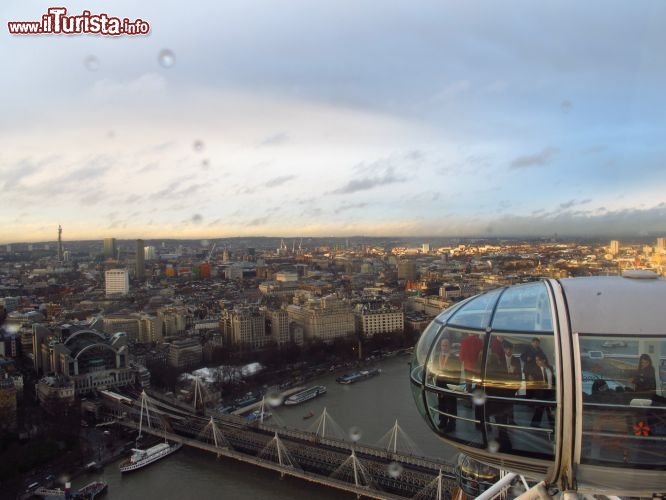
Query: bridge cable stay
[(397, 441), (211, 433), (435, 489), (325, 426), (275, 451), (353, 471), (148, 406)]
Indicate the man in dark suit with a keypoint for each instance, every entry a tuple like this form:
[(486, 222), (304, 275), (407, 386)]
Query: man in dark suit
[(528, 357), (541, 383), (448, 372), (503, 376)]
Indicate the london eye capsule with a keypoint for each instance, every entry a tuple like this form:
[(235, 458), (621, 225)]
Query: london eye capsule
[(557, 380)]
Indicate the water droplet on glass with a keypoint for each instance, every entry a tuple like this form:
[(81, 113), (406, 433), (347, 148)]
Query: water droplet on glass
[(205, 243), (479, 397), (274, 398), (91, 63), (394, 469), (12, 328), (205, 163), (166, 58), (198, 145), (111, 134), (355, 433), (493, 446)]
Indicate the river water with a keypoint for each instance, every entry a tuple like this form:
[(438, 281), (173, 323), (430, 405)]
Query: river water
[(365, 411)]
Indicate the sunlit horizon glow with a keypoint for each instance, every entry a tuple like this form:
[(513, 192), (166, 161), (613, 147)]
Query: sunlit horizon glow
[(337, 119)]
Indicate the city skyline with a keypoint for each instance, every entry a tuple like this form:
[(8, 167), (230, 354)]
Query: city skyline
[(337, 119)]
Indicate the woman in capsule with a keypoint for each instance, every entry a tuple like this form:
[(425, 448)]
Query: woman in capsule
[(644, 381)]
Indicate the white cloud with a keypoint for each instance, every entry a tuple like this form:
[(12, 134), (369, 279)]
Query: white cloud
[(149, 85)]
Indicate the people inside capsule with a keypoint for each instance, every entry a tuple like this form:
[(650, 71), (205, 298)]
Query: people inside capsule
[(529, 355), (645, 384), (471, 348), (448, 373), (503, 378), (471, 356), (541, 381)]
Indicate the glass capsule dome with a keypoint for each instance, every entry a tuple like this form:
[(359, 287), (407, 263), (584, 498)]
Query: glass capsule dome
[(475, 477), (558, 380)]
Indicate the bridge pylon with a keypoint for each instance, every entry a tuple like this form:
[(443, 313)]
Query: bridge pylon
[(263, 412), (325, 426), (435, 490), (199, 393), (211, 433), (397, 441), (145, 408), (276, 451), (353, 471)]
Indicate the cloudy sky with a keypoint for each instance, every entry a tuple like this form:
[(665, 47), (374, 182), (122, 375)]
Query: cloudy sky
[(311, 118)]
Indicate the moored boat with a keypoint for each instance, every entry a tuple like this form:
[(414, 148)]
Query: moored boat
[(89, 492), (258, 416), (306, 395), (141, 458), (350, 378)]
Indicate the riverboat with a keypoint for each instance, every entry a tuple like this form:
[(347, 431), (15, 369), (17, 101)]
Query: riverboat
[(350, 378), (89, 492), (306, 395), (141, 458)]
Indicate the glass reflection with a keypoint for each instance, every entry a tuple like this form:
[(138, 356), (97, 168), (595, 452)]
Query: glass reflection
[(624, 409)]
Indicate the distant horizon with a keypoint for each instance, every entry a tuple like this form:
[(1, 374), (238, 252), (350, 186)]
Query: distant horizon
[(418, 239)]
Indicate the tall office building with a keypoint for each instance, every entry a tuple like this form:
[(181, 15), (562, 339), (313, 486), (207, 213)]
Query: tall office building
[(150, 253), (407, 270), (614, 247), (117, 282), (110, 251), (661, 244), (140, 261)]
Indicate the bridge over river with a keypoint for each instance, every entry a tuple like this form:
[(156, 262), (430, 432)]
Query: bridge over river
[(368, 471)]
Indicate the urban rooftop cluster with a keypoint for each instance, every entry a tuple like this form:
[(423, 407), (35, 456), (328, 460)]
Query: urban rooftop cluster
[(88, 316)]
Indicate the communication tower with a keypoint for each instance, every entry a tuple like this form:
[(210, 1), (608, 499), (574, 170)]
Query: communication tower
[(60, 252)]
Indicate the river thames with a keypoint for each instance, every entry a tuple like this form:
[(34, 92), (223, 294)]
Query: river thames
[(365, 411)]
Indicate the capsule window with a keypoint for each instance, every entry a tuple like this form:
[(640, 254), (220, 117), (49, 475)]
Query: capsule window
[(520, 387), (476, 313), (524, 309), (453, 380), (624, 408)]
